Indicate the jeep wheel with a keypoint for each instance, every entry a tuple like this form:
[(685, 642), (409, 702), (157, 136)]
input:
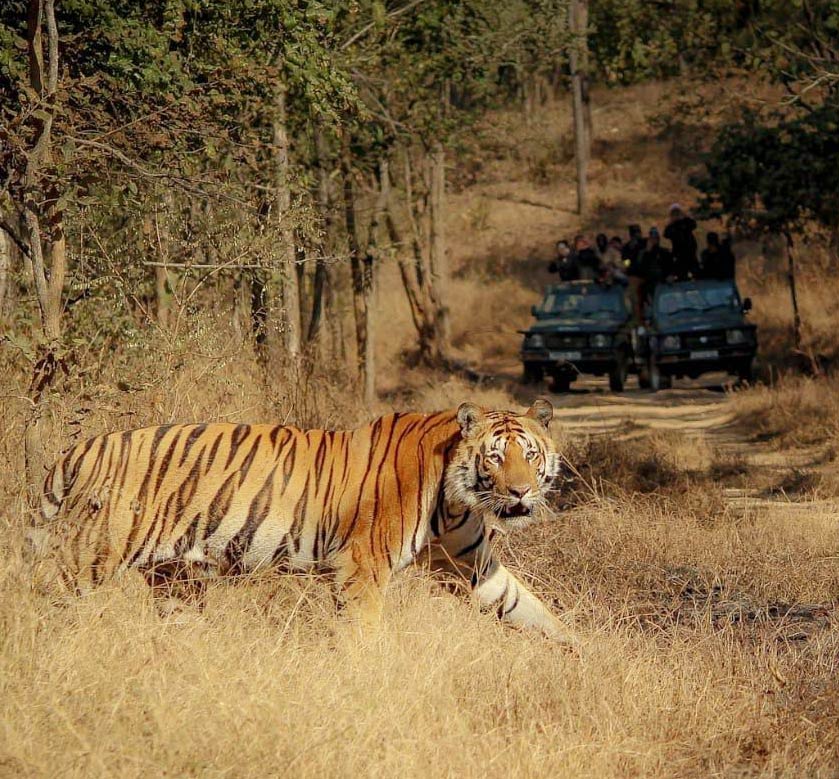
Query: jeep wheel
[(561, 383), (654, 376), (617, 376), (746, 372), (533, 373)]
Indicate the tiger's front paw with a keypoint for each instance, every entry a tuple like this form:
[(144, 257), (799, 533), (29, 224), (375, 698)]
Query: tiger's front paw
[(562, 635)]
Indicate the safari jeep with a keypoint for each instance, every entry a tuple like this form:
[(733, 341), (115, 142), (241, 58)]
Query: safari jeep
[(581, 327), (695, 327)]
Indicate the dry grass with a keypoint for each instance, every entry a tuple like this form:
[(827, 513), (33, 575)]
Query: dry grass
[(703, 654), (693, 665), (710, 645), (797, 411)]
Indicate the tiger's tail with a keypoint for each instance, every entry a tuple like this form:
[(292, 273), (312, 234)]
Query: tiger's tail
[(54, 490), (52, 496)]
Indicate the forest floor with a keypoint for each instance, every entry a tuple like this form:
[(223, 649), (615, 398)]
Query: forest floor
[(695, 549)]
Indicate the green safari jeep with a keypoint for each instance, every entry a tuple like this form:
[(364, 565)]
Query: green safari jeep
[(694, 327), (581, 327)]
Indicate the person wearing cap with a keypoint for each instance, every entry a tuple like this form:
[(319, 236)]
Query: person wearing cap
[(679, 232)]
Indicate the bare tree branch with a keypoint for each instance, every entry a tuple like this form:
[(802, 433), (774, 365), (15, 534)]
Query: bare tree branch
[(16, 239), (52, 46), (367, 27)]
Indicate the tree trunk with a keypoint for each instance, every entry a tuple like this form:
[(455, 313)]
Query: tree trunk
[(416, 277), (303, 302), (158, 239), (318, 286), (241, 305), (162, 290), (363, 256), (43, 223), (259, 310), (5, 268), (321, 278), (162, 295), (287, 276), (438, 259), (796, 315), (578, 18)]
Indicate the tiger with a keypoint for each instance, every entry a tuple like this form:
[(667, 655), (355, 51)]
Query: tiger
[(364, 503)]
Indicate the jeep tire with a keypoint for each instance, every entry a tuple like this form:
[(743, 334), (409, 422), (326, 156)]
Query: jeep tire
[(654, 376), (746, 371), (533, 373), (617, 375), (561, 382)]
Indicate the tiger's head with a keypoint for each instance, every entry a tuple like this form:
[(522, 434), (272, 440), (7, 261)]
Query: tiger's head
[(504, 463)]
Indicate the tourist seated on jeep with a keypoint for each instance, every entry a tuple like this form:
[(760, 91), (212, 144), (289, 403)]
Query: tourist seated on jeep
[(581, 327)]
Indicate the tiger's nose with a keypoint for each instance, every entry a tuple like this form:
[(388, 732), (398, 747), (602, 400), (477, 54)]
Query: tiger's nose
[(518, 490)]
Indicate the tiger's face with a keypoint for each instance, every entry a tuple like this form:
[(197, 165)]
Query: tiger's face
[(505, 463)]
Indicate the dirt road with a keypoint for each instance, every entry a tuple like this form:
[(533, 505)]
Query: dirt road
[(702, 413)]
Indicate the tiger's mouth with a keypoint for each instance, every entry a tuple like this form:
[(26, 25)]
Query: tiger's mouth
[(515, 512)]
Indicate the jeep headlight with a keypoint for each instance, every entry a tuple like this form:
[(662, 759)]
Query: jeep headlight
[(601, 341), (734, 337), (534, 341), (671, 343)]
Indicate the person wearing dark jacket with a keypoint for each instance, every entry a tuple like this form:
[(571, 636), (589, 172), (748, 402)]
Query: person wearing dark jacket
[(631, 254), (601, 241), (679, 232), (588, 261), (656, 264), (717, 258), (632, 250), (565, 263)]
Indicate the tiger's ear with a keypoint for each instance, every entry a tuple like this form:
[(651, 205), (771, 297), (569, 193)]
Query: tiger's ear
[(542, 411), (469, 416)]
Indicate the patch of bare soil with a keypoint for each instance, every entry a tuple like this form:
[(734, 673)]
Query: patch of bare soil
[(692, 597)]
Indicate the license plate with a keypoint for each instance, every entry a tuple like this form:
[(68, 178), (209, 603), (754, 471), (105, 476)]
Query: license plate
[(705, 354), (565, 355)]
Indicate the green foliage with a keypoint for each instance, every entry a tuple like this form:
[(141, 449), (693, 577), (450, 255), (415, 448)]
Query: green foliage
[(796, 43), (427, 71), (777, 170), (634, 40), (776, 175)]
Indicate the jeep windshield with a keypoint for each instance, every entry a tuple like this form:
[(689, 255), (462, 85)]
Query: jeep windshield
[(676, 300), (606, 304)]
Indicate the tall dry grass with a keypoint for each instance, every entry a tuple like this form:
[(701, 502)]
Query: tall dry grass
[(266, 682), (710, 648), (795, 411), (695, 661)]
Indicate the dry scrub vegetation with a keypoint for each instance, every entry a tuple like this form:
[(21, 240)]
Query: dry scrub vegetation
[(709, 645), (710, 641)]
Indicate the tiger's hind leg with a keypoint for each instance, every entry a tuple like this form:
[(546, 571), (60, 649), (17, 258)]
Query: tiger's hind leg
[(361, 582), (179, 584)]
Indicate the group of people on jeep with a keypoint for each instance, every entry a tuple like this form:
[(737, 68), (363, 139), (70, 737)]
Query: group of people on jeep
[(641, 262)]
